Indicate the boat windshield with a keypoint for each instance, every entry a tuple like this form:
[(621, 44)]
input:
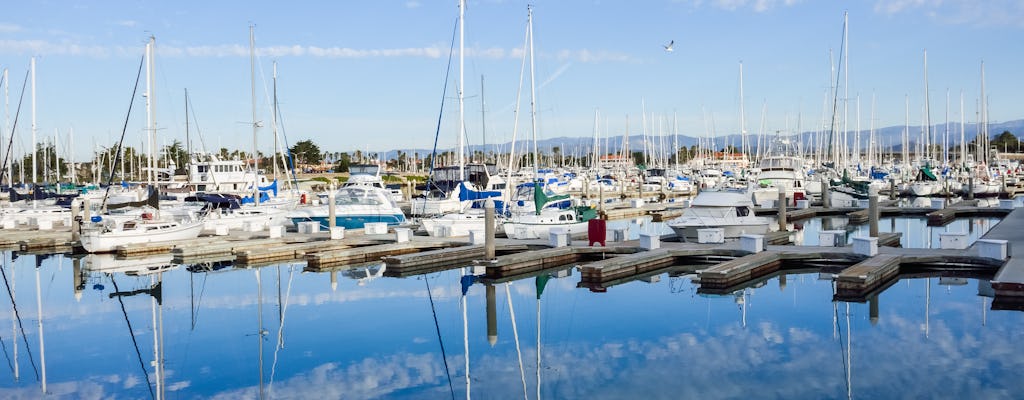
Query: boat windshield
[(711, 212)]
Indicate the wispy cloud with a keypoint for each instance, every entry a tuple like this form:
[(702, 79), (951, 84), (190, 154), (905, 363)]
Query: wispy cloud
[(412, 4), (128, 23), (561, 70), (67, 48), (9, 28), (740, 5), (959, 12), (44, 47)]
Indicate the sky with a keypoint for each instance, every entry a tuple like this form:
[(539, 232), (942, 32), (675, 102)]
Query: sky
[(370, 75)]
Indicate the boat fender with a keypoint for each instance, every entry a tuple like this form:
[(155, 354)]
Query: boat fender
[(96, 218)]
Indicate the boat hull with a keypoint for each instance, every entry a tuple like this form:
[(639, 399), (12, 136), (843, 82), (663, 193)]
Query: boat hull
[(101, 242)]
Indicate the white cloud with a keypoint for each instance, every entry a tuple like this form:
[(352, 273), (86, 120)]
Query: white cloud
[(9, 28), (128, 23), (412, 4), (737, 5), (959, 12), (67, 48)]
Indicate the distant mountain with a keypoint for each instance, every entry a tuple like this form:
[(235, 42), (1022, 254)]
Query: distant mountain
[(890, 138)]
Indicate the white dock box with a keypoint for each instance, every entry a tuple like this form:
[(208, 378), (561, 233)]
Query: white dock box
[(558, 237), (375, 228), (711, 235), (953, 240), (752, 243), (865, 246), (650, 241), (836, 238)]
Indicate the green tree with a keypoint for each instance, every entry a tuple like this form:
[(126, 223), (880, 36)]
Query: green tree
[(306, 152), (177, 153), (343, 162)]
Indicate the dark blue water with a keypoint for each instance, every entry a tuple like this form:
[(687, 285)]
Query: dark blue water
[(229, 333)]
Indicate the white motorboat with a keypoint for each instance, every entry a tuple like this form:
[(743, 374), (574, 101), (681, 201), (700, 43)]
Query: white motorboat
[(732, 211), (106, 236), (354, 207)]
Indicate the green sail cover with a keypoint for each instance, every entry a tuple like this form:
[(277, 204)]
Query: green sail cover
[(540, 199)]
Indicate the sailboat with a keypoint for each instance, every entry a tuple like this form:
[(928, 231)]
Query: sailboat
[(549, 212), (106, 235), (453, 188)]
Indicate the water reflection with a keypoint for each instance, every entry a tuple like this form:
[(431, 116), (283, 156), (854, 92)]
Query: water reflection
[(149, 329)]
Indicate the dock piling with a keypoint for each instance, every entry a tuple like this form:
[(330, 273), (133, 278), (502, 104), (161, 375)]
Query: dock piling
[(781, 204), (826, 201), (331, 212), (76, 221), (873, 216), (489, 229)]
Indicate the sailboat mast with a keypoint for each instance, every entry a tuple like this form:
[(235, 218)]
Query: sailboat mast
[(32, 67), (483, 120), (462, 111), (743, 126), (533, 91), (150, 124), (273, 125), (7, 125), (255, 124), (927, 111)]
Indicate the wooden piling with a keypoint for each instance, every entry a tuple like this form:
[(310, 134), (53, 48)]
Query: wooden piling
[(781, 205), (489, 230), (873, 216)]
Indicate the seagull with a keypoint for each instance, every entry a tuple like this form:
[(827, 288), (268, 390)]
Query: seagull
[(668, 47)]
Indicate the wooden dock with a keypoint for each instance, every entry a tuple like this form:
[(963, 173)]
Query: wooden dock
[(1008, 282), (866, 276)]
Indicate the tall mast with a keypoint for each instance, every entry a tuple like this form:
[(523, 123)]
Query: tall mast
[(983, 133), (927, 110), (533, 91), (150, 123), (743, 126), (462, 111), (7, 123), (483, 119), (846, 81), (71, 156), (34, 166), (963, 140), (273, 125), (255, 124)]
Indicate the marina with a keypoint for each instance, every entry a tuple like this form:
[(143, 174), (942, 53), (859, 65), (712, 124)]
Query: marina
[(612, 220)]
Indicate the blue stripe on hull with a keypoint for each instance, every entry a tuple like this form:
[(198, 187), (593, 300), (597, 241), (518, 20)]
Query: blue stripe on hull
[(355, 221)]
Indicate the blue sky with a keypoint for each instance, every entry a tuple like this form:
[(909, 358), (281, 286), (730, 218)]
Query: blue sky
[(369, 75)]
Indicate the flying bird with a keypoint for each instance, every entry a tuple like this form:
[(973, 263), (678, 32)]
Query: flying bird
[(668, 47)]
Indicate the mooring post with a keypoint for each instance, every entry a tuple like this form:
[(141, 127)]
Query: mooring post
[(826, 201), (600, 197), (781, 204), (892, 188), (873, 309), (86, 210), (76, 220), (331, 212), (970, 188), (873, 216), (492, 315), (489, 230)]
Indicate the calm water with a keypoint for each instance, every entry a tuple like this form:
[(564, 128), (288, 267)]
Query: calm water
[(357, 334)]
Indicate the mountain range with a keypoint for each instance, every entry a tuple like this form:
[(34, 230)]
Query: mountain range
[(889, 138)]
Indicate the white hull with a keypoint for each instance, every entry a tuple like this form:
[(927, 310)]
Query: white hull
[(264, 217), (523, 230), (457, 224), (424, 206), (101, 240), (689, 232)]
